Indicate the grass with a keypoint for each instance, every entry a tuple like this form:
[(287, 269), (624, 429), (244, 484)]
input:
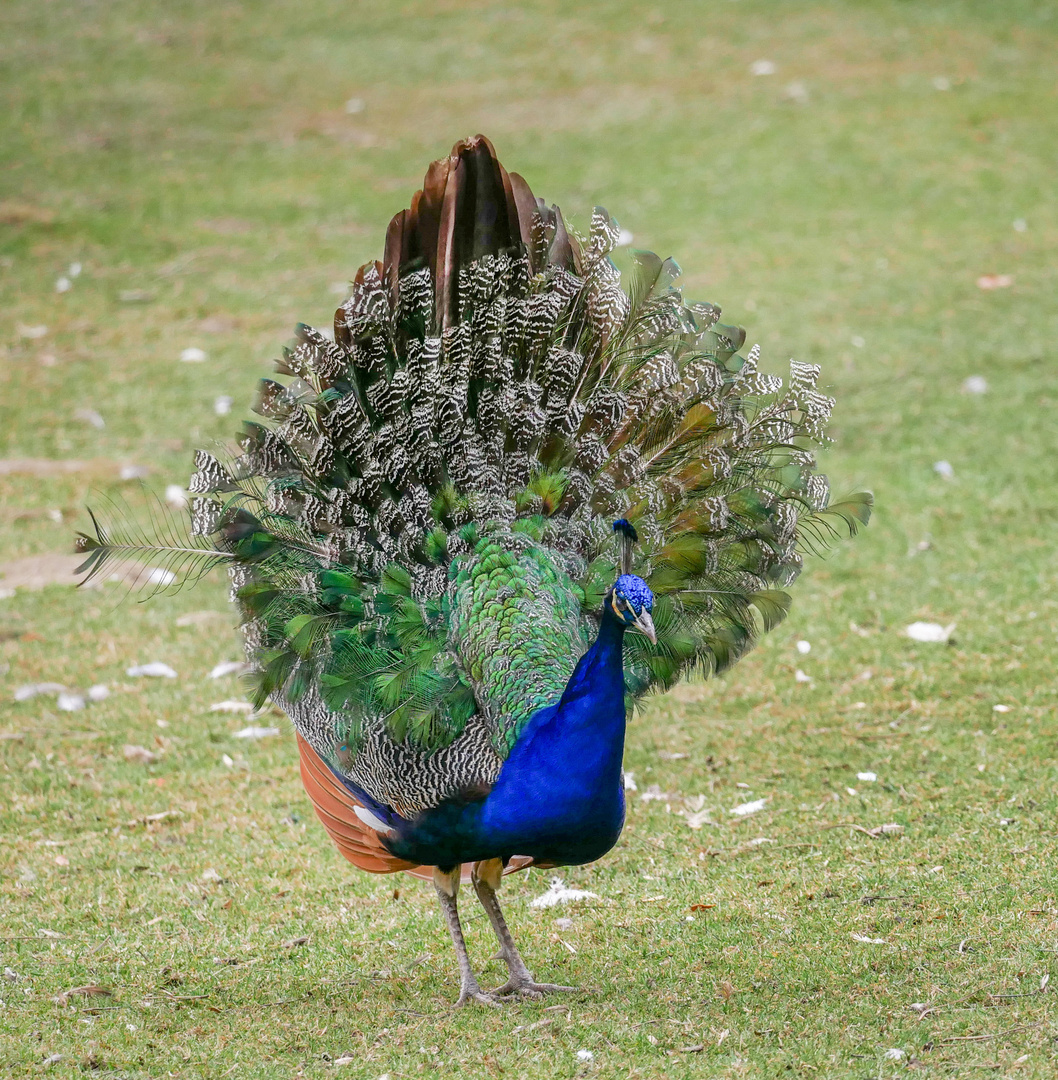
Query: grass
[(200, 157)]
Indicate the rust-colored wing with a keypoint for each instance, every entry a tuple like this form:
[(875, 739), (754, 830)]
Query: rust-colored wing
[(356, 840), (335, 807)]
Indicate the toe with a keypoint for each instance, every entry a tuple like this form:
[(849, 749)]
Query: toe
[(480, 997), (529, 989)]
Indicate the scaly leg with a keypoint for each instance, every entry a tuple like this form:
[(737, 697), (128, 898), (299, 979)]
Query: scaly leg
[(447, 886), (486, 879)]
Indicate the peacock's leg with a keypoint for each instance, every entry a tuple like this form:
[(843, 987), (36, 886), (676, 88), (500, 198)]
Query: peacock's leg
[(486, 879), (447, 886)]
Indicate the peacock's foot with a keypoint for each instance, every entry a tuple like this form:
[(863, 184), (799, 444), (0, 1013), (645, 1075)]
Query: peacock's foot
[(486, 877), (525, 987)]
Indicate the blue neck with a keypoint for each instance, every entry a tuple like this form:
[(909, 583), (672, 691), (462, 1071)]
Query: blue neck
[(600, 672), (559, 796)]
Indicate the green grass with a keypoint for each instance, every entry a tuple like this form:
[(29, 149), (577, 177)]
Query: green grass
[(201, 154)]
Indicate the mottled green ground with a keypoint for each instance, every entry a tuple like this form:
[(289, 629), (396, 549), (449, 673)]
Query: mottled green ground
[(199, 157)]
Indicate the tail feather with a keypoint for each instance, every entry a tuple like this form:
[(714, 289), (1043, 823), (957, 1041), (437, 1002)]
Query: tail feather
[(493, 374)]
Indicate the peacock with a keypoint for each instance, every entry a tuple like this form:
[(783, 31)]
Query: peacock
[(514, 492)]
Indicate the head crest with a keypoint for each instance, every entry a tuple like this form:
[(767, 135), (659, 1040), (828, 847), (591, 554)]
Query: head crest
[(627, 532)]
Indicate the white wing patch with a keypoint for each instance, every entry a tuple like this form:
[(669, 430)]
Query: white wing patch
[(372, 821)]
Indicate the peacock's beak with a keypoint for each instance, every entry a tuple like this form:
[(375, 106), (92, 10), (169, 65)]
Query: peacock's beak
[(645, 625)]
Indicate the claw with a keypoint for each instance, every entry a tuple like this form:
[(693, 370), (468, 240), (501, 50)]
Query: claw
[(480, 997), (528, 989)]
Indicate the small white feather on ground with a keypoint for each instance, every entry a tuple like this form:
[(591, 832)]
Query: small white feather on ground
[(227, 667), (697, 818), (156, 669), (888, 829), (90, 416), (746, 808), (232, 707), (557, 893), (24, 693), (256, 732), (991, 281), (67, 700), (139, 754), (929, 631), (798, 93)]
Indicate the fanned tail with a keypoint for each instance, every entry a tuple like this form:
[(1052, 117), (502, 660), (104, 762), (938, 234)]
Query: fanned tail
[(492, 377)]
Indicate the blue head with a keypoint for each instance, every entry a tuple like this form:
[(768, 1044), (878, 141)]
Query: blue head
[(631, 599)]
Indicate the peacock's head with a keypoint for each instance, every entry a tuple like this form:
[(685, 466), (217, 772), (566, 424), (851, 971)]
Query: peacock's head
[(631, 599)]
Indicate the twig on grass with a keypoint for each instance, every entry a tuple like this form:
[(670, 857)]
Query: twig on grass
[(878, 831)]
